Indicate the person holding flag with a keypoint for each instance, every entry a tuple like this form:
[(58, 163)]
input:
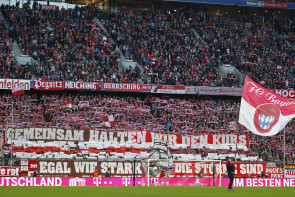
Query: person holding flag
[(17, 91)]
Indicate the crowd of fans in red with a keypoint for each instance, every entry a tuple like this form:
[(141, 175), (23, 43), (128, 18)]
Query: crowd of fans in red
[(256, 49), (185, 116), (8, 64), (70, 45), (165, 45)]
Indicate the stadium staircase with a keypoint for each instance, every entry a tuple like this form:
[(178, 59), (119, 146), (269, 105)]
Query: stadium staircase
[(223, 69), (195, 32), (123, 62), (17, 51)]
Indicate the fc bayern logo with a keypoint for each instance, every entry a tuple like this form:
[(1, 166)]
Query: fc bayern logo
[(266, 117)]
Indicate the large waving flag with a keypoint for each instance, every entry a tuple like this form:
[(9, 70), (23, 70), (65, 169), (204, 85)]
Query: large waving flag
[(263, 112)]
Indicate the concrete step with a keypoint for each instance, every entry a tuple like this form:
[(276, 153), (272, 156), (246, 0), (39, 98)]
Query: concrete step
[(17, 50)]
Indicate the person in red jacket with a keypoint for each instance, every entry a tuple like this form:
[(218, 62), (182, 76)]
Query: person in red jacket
[(95, 173)]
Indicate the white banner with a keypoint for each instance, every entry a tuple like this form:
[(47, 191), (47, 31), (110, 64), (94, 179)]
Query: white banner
[(10, 84)]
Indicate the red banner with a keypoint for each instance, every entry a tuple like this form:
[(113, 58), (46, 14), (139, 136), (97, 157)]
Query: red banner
[(273, 171), (122, 87), (168, 89), (78, 85), (146, 88), (125, 168), (8, 171), (28, 165), (243, 169), (285, 93), (281, 5), (48, 85)]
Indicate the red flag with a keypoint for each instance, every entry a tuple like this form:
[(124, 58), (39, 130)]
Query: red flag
[(68, 104), (109, 121), (232, 125), (263, 112), (19, 90)]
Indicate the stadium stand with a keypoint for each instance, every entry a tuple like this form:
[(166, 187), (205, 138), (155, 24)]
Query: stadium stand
[(255, 49), (164, 43), (131, 113), (71, 45), (9, 67)]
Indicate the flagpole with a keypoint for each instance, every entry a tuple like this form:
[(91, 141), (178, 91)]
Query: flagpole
[(284, 147), (11, 137), (237, 138)]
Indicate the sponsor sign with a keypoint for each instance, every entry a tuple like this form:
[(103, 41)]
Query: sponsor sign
[(122, 87), (289, 170), (168, 89), (8, 171), (67, 181), (139, 137), (28, 165), (285, 93), (10, 84), (79, 85), (49, 7), (213, 90), (252, 3), (238, 182), (291, 5), (146, 88), (87, 181), (273, 171), (48, 85), (259, 182), (280, 5)]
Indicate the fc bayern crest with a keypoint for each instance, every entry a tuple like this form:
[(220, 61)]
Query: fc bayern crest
[(266, 117)]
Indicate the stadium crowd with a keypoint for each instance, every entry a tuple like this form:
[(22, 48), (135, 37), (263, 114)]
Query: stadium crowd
[(8, 64), (185, 116), (165, 46), (68, 44), (71, 45), (256, 49)]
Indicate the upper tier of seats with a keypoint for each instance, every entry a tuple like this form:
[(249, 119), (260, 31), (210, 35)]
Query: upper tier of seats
[(71, 45)]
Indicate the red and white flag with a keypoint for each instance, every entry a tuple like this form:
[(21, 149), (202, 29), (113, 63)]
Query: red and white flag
[(68, 104), (19, 90), (232, 125), (264, 112), (109, 121)]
